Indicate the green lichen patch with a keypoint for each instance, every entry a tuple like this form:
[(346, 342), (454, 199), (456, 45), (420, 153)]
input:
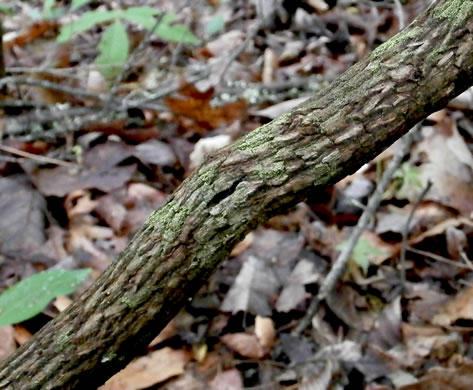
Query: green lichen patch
[(257, 138), (398, 40), (272, 173), (457, 12), (207, 174)]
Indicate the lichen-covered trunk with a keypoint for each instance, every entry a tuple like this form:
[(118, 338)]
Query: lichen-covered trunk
[(181, 244)]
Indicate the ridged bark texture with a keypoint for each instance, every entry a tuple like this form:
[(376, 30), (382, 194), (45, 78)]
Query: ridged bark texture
[(345, 125)]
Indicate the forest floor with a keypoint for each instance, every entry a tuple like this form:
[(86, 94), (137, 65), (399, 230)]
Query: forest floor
[(109, 106)]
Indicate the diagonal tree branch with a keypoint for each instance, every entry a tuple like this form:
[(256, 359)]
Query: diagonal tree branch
[(331, 135)]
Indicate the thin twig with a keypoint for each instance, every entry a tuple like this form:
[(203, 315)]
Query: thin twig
[(130, 61), (341, 262), (79, 92), (405, 233), (400, 14), (2, 60), (240, 49), (436, 257), (31, 156), (173, 87)]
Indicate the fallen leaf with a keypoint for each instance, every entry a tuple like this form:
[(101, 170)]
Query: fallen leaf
[(225, 42), (227, 380), (206, 146), (148, 370), (62, 302), (439, 378), (294, 292), (99, 171), (243, 245), (321, 381), (196, 106), (168, 332), (264, 331), (185, 382), (7, 344), (253, 289), (21, 215), (245, 344), (155, 152), (22, 335), (451, 172), (460, 307)]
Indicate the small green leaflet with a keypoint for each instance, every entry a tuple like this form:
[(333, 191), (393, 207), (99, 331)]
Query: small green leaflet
[(175, 33), (49, 10), (78, 3), (215, 25), (362, 253), (48, 6), (29, 297), (144, 16), (87, 20), (7, 9), (411, 181), (113, 49)]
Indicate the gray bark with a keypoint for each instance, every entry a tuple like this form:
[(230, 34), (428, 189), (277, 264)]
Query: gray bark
[(368, 107)]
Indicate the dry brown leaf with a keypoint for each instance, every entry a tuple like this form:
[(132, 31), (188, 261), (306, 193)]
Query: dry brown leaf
[(61, 302), (440, 228), (460, 307), (270, 64), (253, 289), (410, 331), (227, 380), (21, 215), (458, 378), (185, 382), (148, 370), (196, 106), (31, 33), (321, 381), (294, 292), (79, 202), (264, 331), (446, 161), (168, 332), (242, 246), (22, 335), (225, 42), (7, 341), (99, 170), (245, 344)]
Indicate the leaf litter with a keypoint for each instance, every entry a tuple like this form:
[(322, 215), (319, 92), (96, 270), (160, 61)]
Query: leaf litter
[(380, 329)]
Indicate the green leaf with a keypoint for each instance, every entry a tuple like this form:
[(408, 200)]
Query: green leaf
[(148, 21), (215, 25), (140, 12), (78, 3), (363, 253), (48, 6), (113, 49), (49, 10), (7, 9), (29, 297), (86, 21), (176, 33), (411, 181)]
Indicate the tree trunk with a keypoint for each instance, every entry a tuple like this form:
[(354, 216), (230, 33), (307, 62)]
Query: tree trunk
[(272, 168)]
